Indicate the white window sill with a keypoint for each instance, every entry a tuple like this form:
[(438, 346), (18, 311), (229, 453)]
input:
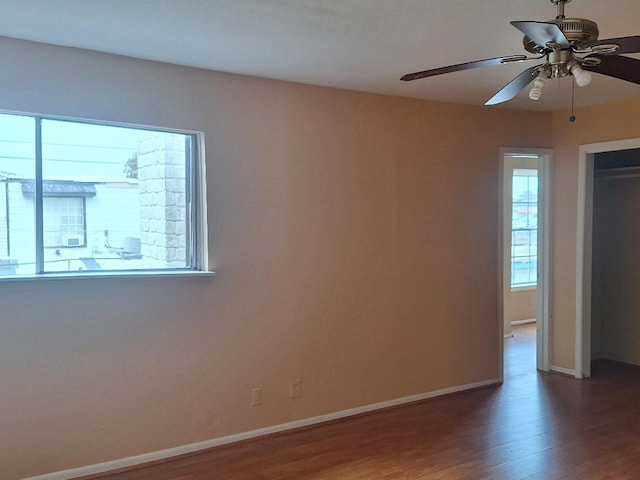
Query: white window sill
[(111, 274)]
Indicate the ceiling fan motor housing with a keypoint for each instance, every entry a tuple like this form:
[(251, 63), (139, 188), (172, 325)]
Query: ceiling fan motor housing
[(580, 33)]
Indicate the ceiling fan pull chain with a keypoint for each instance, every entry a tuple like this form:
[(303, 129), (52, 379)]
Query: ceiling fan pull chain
[(572, 118)]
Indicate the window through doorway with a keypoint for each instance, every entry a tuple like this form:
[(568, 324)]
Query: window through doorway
[(524, 227)]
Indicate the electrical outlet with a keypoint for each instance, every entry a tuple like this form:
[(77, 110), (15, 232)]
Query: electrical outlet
[(295, 388), (256, 397)]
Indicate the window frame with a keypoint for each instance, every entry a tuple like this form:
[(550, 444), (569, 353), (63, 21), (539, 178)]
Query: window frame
[(196, 214)]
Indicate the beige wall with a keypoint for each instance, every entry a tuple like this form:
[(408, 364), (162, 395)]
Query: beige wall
[(355, 239), (616, 285), (520, 305), (614, 121)]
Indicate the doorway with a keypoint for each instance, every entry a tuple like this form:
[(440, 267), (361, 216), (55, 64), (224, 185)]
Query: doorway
[(525, 246), (584, 248)]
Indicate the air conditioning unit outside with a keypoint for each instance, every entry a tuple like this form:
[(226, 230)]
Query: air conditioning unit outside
[(72, 240)]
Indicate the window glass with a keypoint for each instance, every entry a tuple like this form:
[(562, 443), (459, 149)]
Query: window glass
[(107, 198), (17, 211), (524, 228)]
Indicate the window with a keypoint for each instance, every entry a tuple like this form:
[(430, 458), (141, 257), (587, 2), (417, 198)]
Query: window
[(524, 227), (88, 197), (63, 222)]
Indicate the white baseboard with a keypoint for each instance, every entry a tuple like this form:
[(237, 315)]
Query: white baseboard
[(216, 442), (563, 370), (522, 322)]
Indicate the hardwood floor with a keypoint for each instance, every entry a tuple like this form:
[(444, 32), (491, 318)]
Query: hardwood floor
[(535, 426)]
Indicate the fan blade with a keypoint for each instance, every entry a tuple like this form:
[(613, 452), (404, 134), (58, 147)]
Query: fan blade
[(542, 33), (464, 66), (514, 87), (625, 45), (624, 68)]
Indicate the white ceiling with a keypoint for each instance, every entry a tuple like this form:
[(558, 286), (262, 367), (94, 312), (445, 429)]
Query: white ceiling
[(361, 45)]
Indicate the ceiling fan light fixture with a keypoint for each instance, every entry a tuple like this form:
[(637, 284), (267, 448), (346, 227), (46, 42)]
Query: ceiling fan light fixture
[(583, 78), (538, 84)]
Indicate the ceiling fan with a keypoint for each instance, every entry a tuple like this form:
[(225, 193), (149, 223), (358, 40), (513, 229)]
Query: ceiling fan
[(570, 46)]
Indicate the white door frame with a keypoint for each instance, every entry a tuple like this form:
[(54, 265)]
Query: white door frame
[(544, 255), (584, 247)]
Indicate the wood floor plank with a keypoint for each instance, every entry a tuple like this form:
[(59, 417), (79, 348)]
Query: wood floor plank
[(535, 426)]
